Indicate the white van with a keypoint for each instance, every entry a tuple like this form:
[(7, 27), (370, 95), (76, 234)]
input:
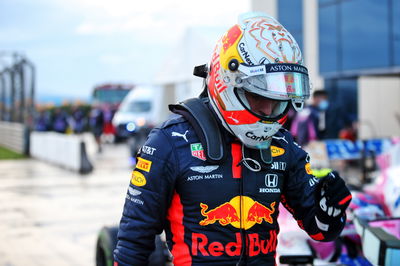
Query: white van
[(144, 106)]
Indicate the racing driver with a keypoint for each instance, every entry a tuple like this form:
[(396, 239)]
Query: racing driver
[(214, 174)]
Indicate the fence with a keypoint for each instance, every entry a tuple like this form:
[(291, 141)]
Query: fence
[(17, 90)]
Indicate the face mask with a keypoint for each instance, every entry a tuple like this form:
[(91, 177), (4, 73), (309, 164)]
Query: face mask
[(323, 105)]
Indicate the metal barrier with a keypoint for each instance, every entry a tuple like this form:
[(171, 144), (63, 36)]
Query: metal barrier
[(14, 136), (67, 151)]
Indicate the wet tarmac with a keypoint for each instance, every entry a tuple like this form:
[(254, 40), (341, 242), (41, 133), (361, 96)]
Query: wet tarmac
[(51, 216)]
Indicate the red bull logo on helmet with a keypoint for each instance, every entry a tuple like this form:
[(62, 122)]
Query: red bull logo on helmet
[(231, 37), (253, 213), (229, 43)]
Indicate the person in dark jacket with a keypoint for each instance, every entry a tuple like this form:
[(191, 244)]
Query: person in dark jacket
[(60, 120), (214, 174), (78, 120), (96, 122), (310, 123)]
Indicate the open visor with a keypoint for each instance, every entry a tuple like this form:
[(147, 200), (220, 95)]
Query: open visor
[(276, 81)]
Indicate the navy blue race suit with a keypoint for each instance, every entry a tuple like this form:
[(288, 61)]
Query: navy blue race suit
[(214, 214)]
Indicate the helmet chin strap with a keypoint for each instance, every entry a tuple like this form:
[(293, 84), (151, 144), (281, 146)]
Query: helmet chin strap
[(245, 161), (254, 165)]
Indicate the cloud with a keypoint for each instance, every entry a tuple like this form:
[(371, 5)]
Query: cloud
[(78, 43), (113, 59), (157, 16), (107, 26)]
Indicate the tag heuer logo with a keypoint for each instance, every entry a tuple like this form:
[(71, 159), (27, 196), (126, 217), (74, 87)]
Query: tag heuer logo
[(198, 151)]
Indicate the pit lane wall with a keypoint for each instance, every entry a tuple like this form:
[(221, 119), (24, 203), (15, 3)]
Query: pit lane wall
[(67, 151)]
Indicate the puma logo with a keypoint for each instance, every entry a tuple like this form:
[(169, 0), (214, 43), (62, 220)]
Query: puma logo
[(234, 119), (282, 138), (176, 134)]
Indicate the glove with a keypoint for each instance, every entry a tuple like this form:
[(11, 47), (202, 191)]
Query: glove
[(332, 197), (319, 173)]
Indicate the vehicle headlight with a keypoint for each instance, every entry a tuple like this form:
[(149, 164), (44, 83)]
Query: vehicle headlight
[(130, 127)]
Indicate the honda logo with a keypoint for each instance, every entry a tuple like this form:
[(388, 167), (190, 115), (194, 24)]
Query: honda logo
[(271, 180)]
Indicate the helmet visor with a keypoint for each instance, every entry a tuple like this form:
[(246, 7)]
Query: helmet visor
[(265, 108), (276, 81)]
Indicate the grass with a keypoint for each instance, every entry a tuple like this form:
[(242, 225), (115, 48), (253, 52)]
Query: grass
[(9, 154)]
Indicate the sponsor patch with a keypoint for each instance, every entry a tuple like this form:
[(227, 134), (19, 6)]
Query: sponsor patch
[(204, 169), (240, 212), (134, 200), (271, 183), (271, 180), (134, 192), (143, 164), (308, 168), (252, 136), (245, 54), (278, 166), (204, 177), (148, 150), (281, 138), (138, 179), (312, 181), (197, 151), (269, 190), (276, 151), (177, 134)]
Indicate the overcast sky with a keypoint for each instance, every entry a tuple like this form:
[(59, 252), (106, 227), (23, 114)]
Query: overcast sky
[(76, 44)]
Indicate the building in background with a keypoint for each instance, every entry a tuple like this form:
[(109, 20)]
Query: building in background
[(176, 74), (352, 49)]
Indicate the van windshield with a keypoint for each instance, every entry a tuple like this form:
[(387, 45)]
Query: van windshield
[(136, 107)]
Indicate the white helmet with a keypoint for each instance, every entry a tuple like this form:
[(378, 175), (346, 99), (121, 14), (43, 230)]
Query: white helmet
[(257, 57)]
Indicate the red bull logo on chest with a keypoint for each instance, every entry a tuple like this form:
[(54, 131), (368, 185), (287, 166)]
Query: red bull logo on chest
[(252, 212), (201, 245)]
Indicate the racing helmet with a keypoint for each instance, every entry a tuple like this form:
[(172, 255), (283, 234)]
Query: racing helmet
[(256, 63)]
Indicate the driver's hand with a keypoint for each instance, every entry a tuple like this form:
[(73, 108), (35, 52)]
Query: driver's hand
[(332, 196)]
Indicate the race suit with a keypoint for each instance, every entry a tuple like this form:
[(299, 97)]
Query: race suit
[(214, 214)]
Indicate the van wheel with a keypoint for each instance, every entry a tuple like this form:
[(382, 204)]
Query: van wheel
[(106, 243)]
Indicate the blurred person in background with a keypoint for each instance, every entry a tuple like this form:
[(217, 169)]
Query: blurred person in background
[(108, 130), (43, 119), (78, 120), (60, 120), (310, 123), (96, 122), (213, 175), (350, 129)]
